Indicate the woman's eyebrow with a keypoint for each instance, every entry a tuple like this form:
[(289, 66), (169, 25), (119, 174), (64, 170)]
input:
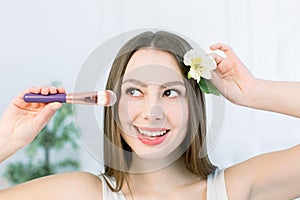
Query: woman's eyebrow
[(134, 81), (172, 83), (144, 84)]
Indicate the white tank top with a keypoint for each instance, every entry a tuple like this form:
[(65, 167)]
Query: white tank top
[(216, 188)]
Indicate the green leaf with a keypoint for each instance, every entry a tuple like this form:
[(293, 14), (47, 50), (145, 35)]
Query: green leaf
[(189, 75), (207, 87)]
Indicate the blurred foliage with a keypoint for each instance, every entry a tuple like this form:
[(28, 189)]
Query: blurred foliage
[(58, 135)]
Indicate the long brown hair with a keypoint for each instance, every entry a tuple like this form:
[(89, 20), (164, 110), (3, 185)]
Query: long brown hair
[(116, 161)]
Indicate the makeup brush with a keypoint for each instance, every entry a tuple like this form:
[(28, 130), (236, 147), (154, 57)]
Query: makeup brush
[(102, 98)]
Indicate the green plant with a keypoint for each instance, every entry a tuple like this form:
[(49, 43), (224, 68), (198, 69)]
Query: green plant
[(58, 135)]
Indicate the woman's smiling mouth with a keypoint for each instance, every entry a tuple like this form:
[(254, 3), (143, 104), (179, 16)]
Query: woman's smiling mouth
[(151, 136)]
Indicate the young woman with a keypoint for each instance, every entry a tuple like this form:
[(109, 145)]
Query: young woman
[(156, 130)]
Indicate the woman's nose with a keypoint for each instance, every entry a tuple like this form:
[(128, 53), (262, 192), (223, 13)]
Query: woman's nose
[(154, 113)]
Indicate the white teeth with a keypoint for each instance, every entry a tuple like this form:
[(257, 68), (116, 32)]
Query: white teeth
[(152, 134)]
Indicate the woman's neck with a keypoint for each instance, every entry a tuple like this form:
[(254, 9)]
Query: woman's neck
[(162, 177)]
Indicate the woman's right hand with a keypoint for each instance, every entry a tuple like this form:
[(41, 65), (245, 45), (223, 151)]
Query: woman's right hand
[(22, 121)]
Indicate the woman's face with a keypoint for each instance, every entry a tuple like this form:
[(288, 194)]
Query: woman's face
[(153, 108)]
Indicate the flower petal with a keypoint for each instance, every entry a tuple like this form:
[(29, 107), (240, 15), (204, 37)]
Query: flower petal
[(213, 61), (198, 79), (209, 63), (188, 56), (195, 74), (206, 74)]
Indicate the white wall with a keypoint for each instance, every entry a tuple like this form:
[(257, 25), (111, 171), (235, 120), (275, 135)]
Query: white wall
[(45, 40)]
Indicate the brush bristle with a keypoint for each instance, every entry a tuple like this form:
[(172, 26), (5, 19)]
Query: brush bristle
[(106, 98)]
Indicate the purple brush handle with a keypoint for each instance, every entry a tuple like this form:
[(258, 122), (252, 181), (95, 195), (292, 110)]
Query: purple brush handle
[(39, 98)]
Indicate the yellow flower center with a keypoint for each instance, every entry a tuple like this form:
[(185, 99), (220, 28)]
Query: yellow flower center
[(196, 64)]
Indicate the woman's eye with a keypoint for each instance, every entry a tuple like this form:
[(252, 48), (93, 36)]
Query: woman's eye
[(171, 93), (134, 92)]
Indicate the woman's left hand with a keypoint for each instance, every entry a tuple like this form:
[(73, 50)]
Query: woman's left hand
[(231, 76)]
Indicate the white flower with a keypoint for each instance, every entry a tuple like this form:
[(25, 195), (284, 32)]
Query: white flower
[(201, 64)]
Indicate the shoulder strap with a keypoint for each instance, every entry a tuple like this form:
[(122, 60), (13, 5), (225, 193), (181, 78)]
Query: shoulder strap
[(107, 193), (216, 188)]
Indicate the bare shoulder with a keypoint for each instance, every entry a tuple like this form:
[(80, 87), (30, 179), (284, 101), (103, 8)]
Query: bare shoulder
[(74, 185), (238, 176), (80, 184)]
